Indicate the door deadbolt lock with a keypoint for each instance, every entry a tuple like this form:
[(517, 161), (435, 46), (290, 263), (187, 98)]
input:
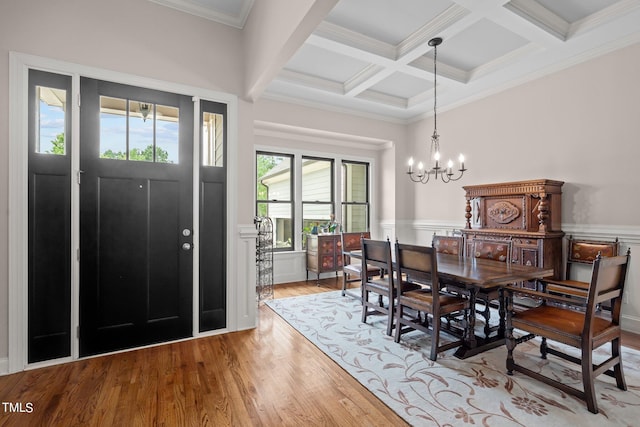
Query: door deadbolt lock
[(186, 232)]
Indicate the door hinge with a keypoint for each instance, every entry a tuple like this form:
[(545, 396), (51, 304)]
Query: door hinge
[(78, 100), (78, 331), (78, 254), (78, 174)]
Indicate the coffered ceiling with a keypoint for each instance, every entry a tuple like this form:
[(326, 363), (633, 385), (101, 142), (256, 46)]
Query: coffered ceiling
[(372, 57)]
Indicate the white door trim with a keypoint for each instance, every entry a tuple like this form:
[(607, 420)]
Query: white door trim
[(19, 65)]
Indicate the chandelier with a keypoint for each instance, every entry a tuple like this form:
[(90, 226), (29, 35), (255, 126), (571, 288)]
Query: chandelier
[(446, 174)]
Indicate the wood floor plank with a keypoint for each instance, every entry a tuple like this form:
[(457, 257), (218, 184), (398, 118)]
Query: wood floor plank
[(268, 376)]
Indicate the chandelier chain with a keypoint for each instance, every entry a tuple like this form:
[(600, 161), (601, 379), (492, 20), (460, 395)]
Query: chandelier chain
[(435, 90)]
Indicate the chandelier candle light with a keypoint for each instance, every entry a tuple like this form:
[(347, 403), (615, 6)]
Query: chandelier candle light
[(446, 174)]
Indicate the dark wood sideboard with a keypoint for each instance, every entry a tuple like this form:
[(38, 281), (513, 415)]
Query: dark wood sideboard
[(526, 212), (324, 253)]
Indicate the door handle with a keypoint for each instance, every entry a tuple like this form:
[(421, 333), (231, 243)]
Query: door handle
[(186, 246)]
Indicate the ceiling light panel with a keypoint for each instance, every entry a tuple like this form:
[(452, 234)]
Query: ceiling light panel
[(402, 85), (478, 45), (325, 64), (575, 10), (387, 21)]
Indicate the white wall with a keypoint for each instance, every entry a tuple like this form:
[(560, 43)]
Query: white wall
[(580, 125)]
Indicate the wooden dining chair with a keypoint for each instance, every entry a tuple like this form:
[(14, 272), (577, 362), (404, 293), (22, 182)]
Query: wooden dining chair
[(377, 254), (352, 268), (496, 250), (584, 330), (452, 245), (420, 264), (492, 249), (579, 253)]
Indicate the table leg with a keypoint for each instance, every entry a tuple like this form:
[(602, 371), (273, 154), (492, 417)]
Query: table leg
[(474, 345), (502, 312), (470, 339)]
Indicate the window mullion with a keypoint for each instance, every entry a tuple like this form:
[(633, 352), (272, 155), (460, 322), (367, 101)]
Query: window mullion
[(297, 201), (337, 188)]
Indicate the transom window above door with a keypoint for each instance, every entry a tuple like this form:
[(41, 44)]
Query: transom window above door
[(139, 131)]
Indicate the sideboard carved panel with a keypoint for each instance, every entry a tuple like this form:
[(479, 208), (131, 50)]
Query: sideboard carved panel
[(526, 212)]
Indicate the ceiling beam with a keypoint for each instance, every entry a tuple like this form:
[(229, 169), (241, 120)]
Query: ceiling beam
[(274, 31)]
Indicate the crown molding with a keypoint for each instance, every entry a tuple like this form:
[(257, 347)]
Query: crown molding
[(344, 37), (193, 8), (540, 16), (366, 78), (385, 99), (594, 20), (446, 71), (299, 133), (417, 42), (333, 108), (312, 82), (504, 60)]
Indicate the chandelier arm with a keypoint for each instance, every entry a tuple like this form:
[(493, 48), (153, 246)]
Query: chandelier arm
[(422, 177), (458, 177), (417, 177)]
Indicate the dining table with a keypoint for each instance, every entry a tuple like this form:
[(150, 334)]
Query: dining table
[(478, 274), (475, 275)]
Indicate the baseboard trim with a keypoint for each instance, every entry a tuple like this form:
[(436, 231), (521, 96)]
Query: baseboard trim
[(630, 324), (4, 366)]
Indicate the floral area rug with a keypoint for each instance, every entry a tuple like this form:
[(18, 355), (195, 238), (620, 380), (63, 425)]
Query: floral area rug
[(450, 391)]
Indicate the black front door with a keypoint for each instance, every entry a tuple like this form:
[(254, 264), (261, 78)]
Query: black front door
[(136, 201)]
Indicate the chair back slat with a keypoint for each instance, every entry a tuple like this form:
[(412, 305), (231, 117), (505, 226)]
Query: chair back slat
[(494, 249), (585, 252), (452, 245), (607, 283), (351, 240), (417, 262), (376, 253)]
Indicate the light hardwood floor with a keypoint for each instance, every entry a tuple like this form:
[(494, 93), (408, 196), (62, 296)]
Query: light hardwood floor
[(269, 376)]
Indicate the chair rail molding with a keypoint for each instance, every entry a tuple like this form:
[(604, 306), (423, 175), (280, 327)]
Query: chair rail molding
[(627, 234), (420, 232)]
